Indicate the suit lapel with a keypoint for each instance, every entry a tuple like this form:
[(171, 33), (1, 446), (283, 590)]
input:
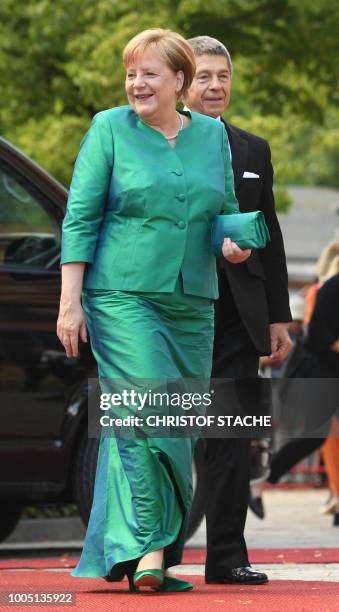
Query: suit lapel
[(239, 149)]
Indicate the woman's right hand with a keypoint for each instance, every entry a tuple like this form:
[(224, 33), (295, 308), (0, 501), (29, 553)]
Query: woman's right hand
[(335, 346), (70, 325)]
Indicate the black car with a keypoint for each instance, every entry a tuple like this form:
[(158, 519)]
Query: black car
[(46, 455)]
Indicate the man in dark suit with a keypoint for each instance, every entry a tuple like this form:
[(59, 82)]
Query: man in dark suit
[(251, 319)]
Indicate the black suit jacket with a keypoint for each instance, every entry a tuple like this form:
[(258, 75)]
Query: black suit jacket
[(323, 329), (259, 286)]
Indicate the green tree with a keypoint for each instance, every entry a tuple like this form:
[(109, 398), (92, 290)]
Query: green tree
[(291, 45), (60, 63)]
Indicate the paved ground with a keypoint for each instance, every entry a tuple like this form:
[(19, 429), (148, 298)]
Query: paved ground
[(325, 572), (311, 222), (292, 520)]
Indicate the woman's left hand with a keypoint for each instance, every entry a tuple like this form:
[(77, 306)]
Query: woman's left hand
[(233, 253)]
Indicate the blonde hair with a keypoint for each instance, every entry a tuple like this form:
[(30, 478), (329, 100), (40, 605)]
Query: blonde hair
[(332, 269), (171, 46), (325, 259)]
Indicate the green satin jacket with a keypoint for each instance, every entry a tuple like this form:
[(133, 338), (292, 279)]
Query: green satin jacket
[(140, 211)]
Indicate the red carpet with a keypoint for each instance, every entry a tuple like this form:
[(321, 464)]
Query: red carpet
[(94, 594), (63, 561), (197, 557)]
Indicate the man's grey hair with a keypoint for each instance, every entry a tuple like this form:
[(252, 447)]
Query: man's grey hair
[(206, 45)]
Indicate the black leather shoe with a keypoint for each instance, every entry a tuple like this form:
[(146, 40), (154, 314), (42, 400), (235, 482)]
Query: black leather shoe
[(256, 505), (238, 575)]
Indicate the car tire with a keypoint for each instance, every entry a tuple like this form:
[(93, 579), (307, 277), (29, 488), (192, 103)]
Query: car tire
[(84, 476), (10, 513)]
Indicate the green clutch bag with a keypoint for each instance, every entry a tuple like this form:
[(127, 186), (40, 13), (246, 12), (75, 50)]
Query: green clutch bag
[(247, 230)]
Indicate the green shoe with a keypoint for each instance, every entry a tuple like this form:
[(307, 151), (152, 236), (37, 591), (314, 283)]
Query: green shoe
[(171, 584), (149, 577)]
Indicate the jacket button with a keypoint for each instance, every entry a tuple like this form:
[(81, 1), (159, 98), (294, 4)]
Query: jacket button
[(180, 197), (178, 172), (181, 224)]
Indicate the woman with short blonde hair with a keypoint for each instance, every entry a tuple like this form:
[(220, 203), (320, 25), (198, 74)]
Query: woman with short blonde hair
[(138, 269), (173, 48)]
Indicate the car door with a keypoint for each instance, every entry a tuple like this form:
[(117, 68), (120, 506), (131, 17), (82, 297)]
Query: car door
[(36, 378)]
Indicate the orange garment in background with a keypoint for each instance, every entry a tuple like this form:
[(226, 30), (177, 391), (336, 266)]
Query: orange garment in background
[(330, 452), (310, 299)]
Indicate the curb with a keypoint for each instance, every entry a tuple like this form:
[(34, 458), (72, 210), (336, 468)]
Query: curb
[(46, 529)]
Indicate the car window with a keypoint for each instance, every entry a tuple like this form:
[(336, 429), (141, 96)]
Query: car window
[(29, 235)]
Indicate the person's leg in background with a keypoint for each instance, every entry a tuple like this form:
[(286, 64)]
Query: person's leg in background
[(290, 454), (330, 452)]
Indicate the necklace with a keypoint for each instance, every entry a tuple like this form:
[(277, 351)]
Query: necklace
[(179, 130)]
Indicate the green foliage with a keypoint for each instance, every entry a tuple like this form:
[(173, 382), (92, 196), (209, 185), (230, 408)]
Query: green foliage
[(291, 45), (50, 511), (53, 141), (60, 63), (282, 198), (324, 154)]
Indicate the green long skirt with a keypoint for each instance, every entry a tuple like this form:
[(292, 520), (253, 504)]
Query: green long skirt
[(143, 485)]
